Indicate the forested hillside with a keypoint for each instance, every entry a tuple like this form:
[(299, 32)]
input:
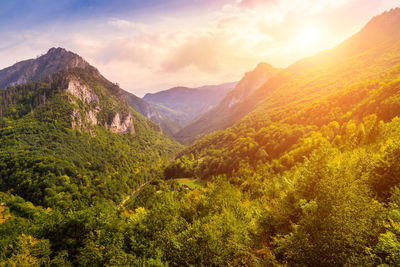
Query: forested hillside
[(309, 177), (315, 165), (68, 143), (366, 55), (57, 136), (59, 59)]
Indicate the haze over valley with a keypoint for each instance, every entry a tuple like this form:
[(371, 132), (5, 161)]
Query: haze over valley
[(210, 133)]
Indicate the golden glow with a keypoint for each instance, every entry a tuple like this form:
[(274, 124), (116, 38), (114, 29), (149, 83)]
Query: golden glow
[(308, 36)]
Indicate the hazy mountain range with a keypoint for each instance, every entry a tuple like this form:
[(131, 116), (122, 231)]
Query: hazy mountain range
[(171, 109), (185, 104), (225, 113)]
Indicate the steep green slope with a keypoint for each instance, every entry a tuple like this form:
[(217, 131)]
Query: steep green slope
[(366, 55), (346, 69), (284, 135), (70, 147), (316, 163), (58, 146)]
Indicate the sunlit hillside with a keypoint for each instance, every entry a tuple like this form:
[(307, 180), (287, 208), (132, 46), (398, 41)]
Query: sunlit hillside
[(293, 165)]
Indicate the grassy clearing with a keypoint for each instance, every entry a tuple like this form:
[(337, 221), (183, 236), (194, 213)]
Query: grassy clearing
[(192, 183)]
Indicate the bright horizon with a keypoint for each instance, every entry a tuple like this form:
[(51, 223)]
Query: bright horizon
[(152, 46)]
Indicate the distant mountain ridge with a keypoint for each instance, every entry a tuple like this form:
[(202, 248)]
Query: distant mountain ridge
[(185, 104), (167, 124), (367, 54), (224, 114)]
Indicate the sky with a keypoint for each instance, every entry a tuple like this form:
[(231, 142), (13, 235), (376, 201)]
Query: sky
[(152, 45)]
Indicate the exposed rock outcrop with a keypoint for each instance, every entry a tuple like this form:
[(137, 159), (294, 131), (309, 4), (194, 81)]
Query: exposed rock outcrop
[(122, 126), (81, 91), (80, 120), (76, 119)]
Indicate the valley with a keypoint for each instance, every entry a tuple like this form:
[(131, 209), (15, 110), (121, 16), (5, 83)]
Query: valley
[(294, 166)]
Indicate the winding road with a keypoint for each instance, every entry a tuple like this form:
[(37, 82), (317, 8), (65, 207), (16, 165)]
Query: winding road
[(121, 205)]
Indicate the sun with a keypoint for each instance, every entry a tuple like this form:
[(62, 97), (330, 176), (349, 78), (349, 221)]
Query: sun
[(308, 36)]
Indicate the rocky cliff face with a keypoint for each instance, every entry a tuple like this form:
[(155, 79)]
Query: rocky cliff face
[(122, 126), (82, 119), (81, 91)]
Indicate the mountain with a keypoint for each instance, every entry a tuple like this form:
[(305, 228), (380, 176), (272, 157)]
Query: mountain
[(71, 117), (59, 59), (224, 114), (55, 60), (366, 55), (320, 144), (69, 143), (250, 82), (366, 58), (184, 104), (152, 112), (73, 130), (310, 176)]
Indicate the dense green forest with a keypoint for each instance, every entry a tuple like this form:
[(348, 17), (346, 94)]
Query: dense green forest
[(320, 189), (64, 170), (309, 177)]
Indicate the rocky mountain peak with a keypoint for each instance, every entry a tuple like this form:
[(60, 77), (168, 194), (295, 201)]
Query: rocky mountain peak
[(55, 60), (57, 50)]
